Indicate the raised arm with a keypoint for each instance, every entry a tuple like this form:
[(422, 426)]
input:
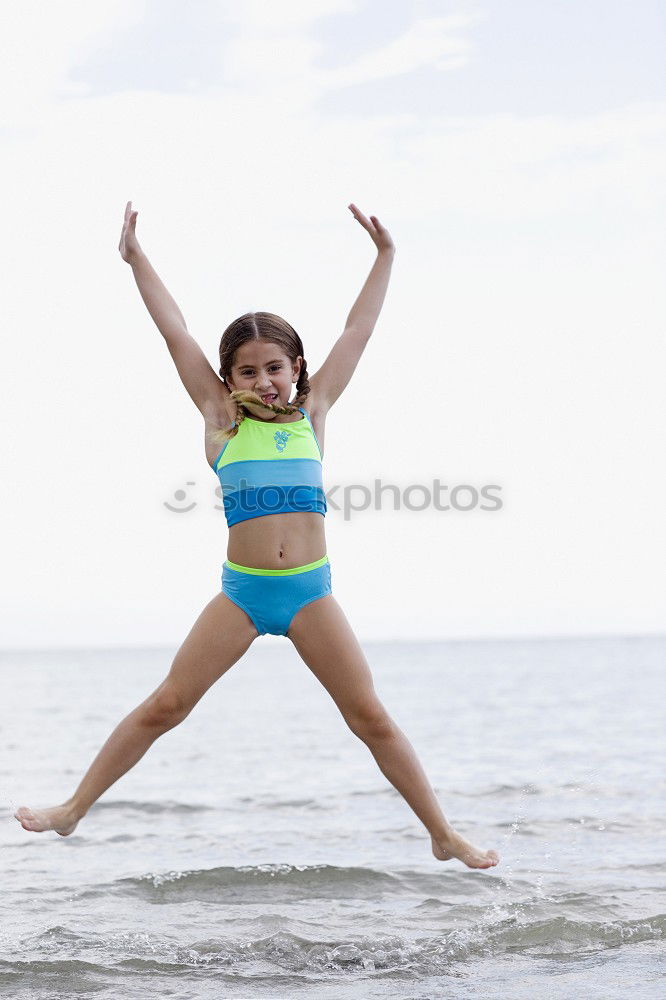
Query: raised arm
[(207, 391), (329, 382)]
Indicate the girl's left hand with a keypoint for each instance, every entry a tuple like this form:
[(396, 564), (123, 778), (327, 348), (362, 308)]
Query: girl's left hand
[(379, 234)]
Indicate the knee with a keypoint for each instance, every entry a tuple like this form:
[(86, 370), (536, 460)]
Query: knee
[(164, 708), (370, 722)]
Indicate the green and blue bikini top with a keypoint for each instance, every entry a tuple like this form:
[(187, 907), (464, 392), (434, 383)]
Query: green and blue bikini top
[(269, 468)]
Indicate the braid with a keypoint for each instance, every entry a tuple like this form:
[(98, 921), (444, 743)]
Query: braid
[(303, 385), (242, 396)]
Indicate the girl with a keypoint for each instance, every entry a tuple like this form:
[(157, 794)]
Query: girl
[(267, 454)]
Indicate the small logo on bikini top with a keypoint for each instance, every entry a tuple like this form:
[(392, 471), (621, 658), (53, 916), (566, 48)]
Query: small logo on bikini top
[(281, 438)]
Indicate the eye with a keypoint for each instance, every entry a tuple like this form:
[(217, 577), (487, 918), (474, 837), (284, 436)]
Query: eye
[(249, 371)]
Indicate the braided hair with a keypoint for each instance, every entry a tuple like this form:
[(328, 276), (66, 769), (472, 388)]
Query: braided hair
[(260, 326)]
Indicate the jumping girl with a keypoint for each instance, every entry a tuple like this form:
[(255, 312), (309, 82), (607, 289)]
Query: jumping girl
[(267, 453)]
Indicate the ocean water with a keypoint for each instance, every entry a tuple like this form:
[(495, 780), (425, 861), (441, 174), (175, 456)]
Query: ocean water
[(257, 851)]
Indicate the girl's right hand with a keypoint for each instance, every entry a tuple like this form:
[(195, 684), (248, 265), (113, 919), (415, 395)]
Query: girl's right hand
[(129, 245)]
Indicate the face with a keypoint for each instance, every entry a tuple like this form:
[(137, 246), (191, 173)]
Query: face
[(261, 366)]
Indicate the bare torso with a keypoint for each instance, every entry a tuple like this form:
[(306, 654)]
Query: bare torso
[(274, 541)]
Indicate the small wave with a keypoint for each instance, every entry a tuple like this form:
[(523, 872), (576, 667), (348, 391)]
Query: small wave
[(494, 934), (432, 903), (368, 793), (266, 802), (650, 866), (560, 936), (536, 827), (505, 790), (501, 790), (251, 884), (127, 838), (61, 966), (169, 806)]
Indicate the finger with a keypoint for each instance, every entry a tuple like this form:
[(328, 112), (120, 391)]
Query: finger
[(360, 217), (128, 209)]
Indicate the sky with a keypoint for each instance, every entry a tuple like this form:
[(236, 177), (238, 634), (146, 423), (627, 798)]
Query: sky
[(515, 151)]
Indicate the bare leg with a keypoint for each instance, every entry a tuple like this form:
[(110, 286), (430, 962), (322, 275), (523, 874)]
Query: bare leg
[(325, 641), (217, 640)]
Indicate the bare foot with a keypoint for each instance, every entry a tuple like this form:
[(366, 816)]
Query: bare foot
[(58, 818), (452, 845)]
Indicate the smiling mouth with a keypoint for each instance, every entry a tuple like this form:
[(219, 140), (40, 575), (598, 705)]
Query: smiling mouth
[(270, 397)]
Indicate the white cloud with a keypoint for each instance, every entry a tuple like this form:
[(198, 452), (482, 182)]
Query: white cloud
[(436, 42), (514, 167), (266, 14), (272, 52), (39, 42)]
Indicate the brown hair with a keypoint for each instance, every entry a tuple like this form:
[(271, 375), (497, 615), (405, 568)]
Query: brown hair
[(260, 326)]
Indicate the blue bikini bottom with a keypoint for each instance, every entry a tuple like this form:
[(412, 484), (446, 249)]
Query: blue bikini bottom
[(271, 597)]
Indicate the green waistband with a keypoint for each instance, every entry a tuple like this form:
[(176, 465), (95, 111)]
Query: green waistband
[(277, 572)]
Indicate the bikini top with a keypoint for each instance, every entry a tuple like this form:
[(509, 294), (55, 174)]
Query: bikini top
[(269, 468)]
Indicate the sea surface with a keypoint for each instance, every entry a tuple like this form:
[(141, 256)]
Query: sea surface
[(257, 851)]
